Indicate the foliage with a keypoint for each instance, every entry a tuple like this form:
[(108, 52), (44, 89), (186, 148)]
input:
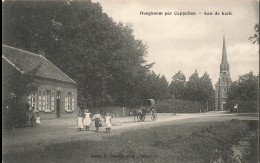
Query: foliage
[(16, 114), (198, 89), (102, 56), (244, 92), (243, 106), (193, 88), (177, 85), (180, 106), (208, 96), (16, 110), (255, 39), (155, 87), (206, 144)]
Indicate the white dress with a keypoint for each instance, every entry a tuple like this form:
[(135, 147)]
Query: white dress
[(38, 121), (79, 121), (108, 124), (87, 121)]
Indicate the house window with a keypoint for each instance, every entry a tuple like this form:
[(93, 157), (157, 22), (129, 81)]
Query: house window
[(69, 102), (32, 100), (48, 101), (43, 100), (52, 101)]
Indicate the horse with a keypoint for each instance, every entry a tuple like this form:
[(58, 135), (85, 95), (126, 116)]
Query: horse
[(137, 113)]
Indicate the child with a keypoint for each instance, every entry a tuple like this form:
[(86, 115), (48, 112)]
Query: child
[(38, 120), (87, 120), (108, 122), (97, 119), (79, 123)]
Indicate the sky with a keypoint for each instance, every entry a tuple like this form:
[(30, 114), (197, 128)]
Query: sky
[(192, 42)]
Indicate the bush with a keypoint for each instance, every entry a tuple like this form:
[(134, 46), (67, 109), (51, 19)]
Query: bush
[(15, 114), (206, 144), (244, 106), (180, 106)]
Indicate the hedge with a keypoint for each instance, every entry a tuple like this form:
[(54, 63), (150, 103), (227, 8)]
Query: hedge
[(244, 106), (180, 106)]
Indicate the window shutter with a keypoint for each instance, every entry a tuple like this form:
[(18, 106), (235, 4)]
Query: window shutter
[(72, 102), (36, 101), (52, 101), (43, 100), (66, 101), (30, 101), (40, 102)]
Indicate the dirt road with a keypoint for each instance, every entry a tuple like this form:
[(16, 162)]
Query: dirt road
[(64, 130)]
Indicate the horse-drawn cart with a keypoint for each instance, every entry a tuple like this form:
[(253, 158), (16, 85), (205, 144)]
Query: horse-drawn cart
[(147, 109)]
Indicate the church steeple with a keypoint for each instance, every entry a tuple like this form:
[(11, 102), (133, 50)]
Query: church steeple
[(224, 66), (224, 53), (224, 81)]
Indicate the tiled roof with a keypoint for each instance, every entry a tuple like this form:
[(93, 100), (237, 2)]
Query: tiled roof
[(27, 62)]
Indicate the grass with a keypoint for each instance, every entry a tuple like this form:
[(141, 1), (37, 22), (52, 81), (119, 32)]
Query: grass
[(190, 142)]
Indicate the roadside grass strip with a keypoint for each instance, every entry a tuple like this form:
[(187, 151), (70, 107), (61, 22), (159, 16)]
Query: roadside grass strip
[(190, 142)]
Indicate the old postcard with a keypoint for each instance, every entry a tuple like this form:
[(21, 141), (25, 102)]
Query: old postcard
[(130, 81)]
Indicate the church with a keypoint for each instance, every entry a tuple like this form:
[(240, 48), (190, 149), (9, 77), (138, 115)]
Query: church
[(224, 81)]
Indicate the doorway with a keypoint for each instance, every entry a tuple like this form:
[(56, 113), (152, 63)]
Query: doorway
[(58, 104), (224, 107)]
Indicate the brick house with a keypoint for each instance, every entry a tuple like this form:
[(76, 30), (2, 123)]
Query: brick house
[(56, 94)]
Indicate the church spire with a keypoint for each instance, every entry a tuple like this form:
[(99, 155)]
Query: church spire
[(224, 53)]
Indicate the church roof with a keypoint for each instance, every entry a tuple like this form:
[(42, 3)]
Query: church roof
[(31, 63), (224, 53)]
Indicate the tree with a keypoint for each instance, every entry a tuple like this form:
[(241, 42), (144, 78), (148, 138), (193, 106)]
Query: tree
[(255, 39), (102, 56), (207, 90), (16, 110), (245, 88), (244, 92), (193, 88), (177, 85), (164, 85), (199, 89)]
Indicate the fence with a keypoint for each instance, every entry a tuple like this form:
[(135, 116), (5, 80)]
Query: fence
[(113, 111)]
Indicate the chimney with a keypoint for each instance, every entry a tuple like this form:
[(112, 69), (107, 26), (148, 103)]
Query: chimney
[(41, 52)]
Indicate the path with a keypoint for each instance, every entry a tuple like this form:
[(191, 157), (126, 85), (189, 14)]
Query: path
[(64, 130)]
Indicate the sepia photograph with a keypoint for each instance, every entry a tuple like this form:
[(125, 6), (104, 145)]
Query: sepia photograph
[(130, 81)]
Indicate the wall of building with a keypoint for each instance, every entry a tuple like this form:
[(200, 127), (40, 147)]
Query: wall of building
[(221, 97), (9, 80), (55, 87)]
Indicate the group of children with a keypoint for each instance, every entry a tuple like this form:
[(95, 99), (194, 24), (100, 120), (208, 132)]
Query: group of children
[(87, 121)]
